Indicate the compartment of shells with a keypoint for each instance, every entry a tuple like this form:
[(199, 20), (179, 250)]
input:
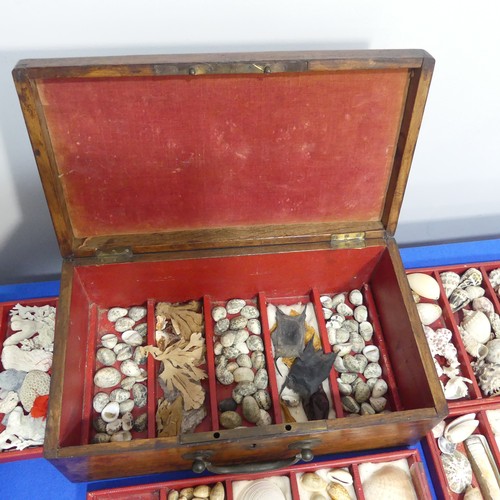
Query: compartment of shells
[(465, 455), (27, 342), (464, 338), (401, 474)]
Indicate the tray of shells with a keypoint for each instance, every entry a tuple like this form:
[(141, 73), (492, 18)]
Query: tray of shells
[(459, 308), (464, 454), (27, 342), (397, 474)]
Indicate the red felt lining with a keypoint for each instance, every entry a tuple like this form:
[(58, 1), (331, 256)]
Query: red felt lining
[(144, 154)]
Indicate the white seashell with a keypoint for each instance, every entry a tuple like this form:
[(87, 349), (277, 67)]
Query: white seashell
[(360, 314), (355, 297), (493, 355), (485, 468), (126, 406), (250, 312), (119, 395), (459, 432), (366, 330), (495, 323), (338, 299), (218, 313), (105, 356), (494, 276), (476, 323), (458, 471), (130, 368), (253, 326), (372, 353), (416, 297), (428, 313), (107, 377), (234, 306), (344, 310), (472, 346), (425, 285), (438, 430), (124, 324), (332, 335), (474, 292), (326, 301), (131, 337), (446, 446), (484, 305), (340, 475), (137, 313), (450, 281), (389, 483), (9, 402), (263, 488), (116, 312), (221, 326), (456, 388), (327, 313), (121, 436), (380, 388), (110, 412), (242, 374), (109, 340), (123, 351)]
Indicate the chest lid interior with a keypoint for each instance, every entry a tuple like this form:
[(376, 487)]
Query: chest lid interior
[(158, 153)]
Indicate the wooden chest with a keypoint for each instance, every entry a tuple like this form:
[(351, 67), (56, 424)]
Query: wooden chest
[(276, 178)]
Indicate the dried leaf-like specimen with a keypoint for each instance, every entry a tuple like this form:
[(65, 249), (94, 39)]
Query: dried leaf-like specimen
[(180, 368), (169, 417), (186, 318)]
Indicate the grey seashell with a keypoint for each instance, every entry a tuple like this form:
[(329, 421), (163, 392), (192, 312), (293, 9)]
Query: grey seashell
[(119, 395), (263, 399), (335, 321), (244, 389), (264, 418), (242, 374), (224, 376), (141, 423), (351, 325), (141, 329), (126, 406), (242, 348), (109, 340), (458, 299), (110, 412), (494, 276), (241, 336), (360, 314), (218, 313), (326, 301), (378, 404), (372, 353), (99, 424), (348, 378), (261, 379), (254, 343), (140, 395), (127, 421), (371, 382), (127, 383), (362, 392), (366, 330), (101, 437), (471, 277), (137, 313), (227, 338), (131, 337), (238, 322), (357, 341), (101, 399), (221, 326), (372, 370), (254, 326), (107, 377), (355, 297), (258, 360), (342, 349), (231, 352), (250, 409), (332, 335), (458, 471), (123, 351), (450, 281), (106, 356), (344, 388), (232, 366), (114, 426), (124, 324), (342, 335), (338, 299), (379, 388), (350, 405), (116, 312), (130, 368), (221, 360), (140, 357), (367, 409), (250, 312), (229, 419), (356, 363), (122, 436), (344, 310), (244, 360), (234, 306)]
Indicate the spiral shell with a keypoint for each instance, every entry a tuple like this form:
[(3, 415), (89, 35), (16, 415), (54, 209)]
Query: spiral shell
[(471, 277), (458, 299), (450, 281), (472, 346)]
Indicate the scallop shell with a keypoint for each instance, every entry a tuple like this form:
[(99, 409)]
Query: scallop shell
[(471, 277), (476, 323), (458, 299), (263, 488), (311, 481), (428, 312), (450, 281), (390, 483), (424, 285), (458, 471)]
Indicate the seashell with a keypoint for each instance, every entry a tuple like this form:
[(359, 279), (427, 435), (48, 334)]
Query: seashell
[(366, 409), (338, 299), (263, 399), (450, 281), (338, 364), (358, 344), (476, 323), (140, 356), (123, 351), (126, 406), (471, 277), (242, 374), (141, 329), (495, 323), (356, 363), (127, 421), (474, 292), (231, 352), (456, 388), (201, 491), (101, 399), (344, 389), (349, 404), (342, 349), (234, 306), (351, 325), (327, 313), (428, 313), (221, 326), (458, 471), (131, 337), (109, 340), (390, 483), (250, 409), (187, 492), (438, 430), (378, 404), (253, 326), (336, 321), (446, 446), (348, 378), (140, 395), (224, 376), (99, 424), (484, 305), (218, 313), (366, 330), (101, 437), (379, 388), (337, 491), (227, 338), (217, 492), (261, 379), (372, 370), (242, 348), (244, 361), (130, 368), (340, 475), (371, 353), (342, 335), (245, 389), (106, 356), (416, 297), (119, 395), (493, 355), (326, 301), (472, 346), (488, 377), (114, 426), (230, 419), (494, 276), (107, 377), (458, 299), (217, 348), (124, 324), (424, 285), (355, 297), (110, 412), (250, 312), (258, 360), (127, 383), (241, 336), (122, 436), (344, 310), (311, 481), (116, 313), (137, 313), (473, 493), (263, 488), (371, 382), (485, 468), (254, 343), (362, 392), (360, 314), (238, 322), (141, 423), (459, 429)]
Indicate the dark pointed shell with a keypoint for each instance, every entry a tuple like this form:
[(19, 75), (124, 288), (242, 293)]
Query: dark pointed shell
[(472, 277), (458, 299)]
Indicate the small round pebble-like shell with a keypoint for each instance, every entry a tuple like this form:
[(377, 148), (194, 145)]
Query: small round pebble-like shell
[(228, 404), (130, 368), (127, 383), (372, 370), (243, 374), (344, 389), (101, 399), (241, 336), (366, 330), (379, 388), (350, 405), (218, 348), (244, 389), (224, 376), (122, 436), (218, 313), (428, 313), (250, 312), (114, 426), (123, 351), (425, 285), (140, 395), (140, 357), (231, 352), (258, 360), (101, 437), (218, 492), (250, 408), (237, 323), (124, 324), (372, 353), (110, 412), (326, 301), (119, 395), (187, 492), (311, 481), (232, 366), (126, 406), (366, 409), (264, 418), (261, 379), (378, 404), (221, 326), (99, 424), (263, 399), (141, 422), (355, 297), (127, 421), (106, 356), (344, 310), (254, 326), (107, 377), (141, 329), (234, 306), (137, 313), (116, 312), (173, 495), (131, 337), (109, 340), (337, 491), (201, 491), (244, 361), (230, 419), (362, 392), (340, 475), (337, 299), (360, 314), (227, 338), (254, 343)]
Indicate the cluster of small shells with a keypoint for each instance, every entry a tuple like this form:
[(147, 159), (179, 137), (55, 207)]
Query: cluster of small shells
[(199, 492), (240, 360), (334, 485), (360, 384), (121, 349)]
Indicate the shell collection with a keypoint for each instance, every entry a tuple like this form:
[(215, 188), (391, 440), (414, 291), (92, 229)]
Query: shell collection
[(240, 364), (350, 333), (120, 396), (24, 382), (212, 492), (334, 484)]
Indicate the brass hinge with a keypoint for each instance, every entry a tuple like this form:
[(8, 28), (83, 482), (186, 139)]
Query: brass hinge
[(115, 255), (348, 240)]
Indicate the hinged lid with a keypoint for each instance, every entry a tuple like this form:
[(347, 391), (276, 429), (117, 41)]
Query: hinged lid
[(173, 152)]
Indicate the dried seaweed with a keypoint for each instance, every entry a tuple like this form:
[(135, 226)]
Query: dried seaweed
[(308, 372), (180, 368), (169, 418), (288, 338), (186, 318)]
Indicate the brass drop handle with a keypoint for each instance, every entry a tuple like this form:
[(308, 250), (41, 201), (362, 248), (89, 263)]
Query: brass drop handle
[(200, 464)]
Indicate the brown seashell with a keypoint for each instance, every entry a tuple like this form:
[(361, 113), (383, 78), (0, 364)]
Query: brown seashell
[(310, 481), (337, 491)]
